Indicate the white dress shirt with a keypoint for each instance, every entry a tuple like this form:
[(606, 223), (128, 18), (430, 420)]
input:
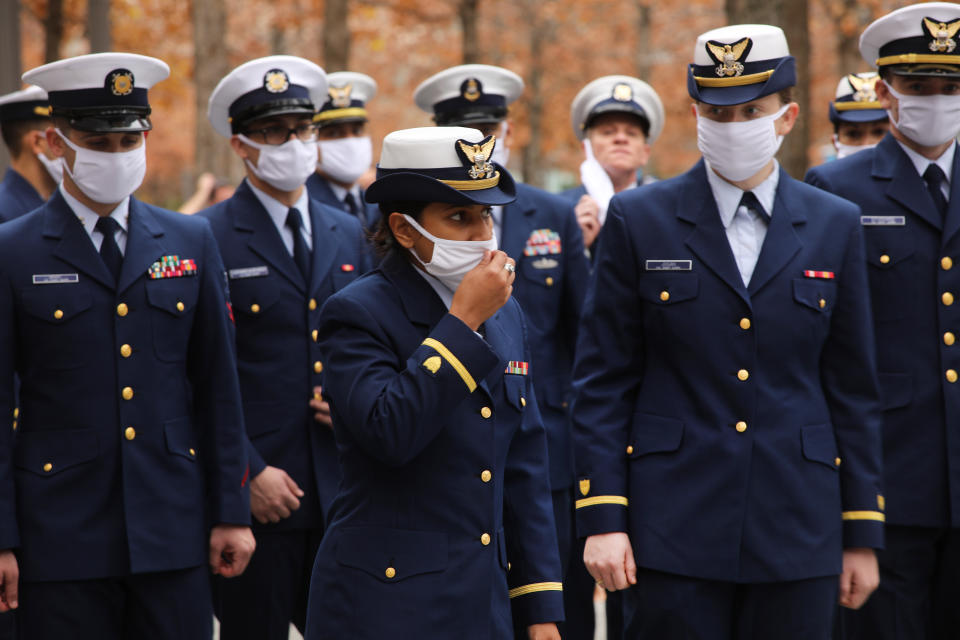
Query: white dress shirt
[(88, 218), (278, 213), (746, 229), (945, 162)]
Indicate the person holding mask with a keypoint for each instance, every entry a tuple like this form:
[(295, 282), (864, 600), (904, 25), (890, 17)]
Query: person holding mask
[(617, 118), (727, 412), (34, 171), (344, 146), (859, 121), (441, 443), (907, 188)]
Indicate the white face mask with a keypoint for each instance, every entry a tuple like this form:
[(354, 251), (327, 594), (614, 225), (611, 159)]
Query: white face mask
[(927, 120), (107, 177), (452, 259), (739, 150), (345, 159), (844, 150), (54, 167), (501, 154), (284, 166)]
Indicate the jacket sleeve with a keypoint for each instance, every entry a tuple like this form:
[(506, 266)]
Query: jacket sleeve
[(9, 531), (534, 575), (391, 406), (212, 367), (607, 375), (849, 375)]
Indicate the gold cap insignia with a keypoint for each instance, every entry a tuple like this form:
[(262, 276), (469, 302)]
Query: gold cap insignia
[(340, 97), (120, 82), (432, 364), (942, 34), (622, 93), (276, 81), (470, 90), (478, 155), (585, 486), (864, 88), (728, 56)]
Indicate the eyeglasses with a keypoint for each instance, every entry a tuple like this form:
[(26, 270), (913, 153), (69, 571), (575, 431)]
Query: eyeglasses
[(279, 135)]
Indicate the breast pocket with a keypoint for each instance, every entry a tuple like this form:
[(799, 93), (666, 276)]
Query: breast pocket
[(892, 272), (253, 298), (58, 321), (172, 303), (816, 294), (539, 288), (669, 289)]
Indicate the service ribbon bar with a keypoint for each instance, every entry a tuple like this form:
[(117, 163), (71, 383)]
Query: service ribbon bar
[(826, 275), (172, 267), (516, 367)]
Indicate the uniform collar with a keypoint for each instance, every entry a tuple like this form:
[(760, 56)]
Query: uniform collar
[(88, 217), (341, 193), (278, 211), (445, 294), (945, 161), (728, 196)]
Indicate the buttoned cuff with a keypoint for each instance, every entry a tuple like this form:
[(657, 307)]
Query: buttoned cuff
[(863, 529), (454, 344), (256, 461), (601, 505)]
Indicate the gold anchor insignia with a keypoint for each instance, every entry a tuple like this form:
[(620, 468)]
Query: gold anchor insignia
[(340, 97), (121, 83), (728, 56), (864, 88), (622, 93), (276, 81), (432, 364), (471, 91), (585, 486), (942, 34), (479, 155)]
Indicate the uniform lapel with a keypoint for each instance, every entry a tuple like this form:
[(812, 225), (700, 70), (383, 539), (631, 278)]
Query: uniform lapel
[(265, 240), (515, 225), (324, 244), (501, 344), (143, 244), (953, 205), (75, 247), (420, 302), (708, 239), (782, 242), (906, 186)]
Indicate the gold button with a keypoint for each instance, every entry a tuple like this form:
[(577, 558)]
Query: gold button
[(523, 402), (664, 295), (486, 475), (16, 412), (629, 449), (390, 572), (946, 263), (317, 366), (509, 566), (48, 467), (884, 259), (823, 303), (127, 393), (317, 396), (564, 404), (951, 375), (743, 374), (180, 306), (58, 314), (313, 304), (255, 308), (315, 334), (14, 425), (122, 309), (744, 323), (947, 298), (193, 451), (129, 433), (949, 338), (126, 350), (549, 281), (486, 412), (741, 426), (836, 461), (485, 539)]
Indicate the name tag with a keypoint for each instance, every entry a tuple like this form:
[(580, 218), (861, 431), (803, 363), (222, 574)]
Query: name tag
[(883, 221), (669, 265), (249, 272), (55, 278), (545, 263)]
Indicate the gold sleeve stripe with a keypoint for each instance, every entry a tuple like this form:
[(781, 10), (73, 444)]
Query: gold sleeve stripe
[(454, 362), (855, 106), (917, 58), (473, 185), (735, 81), (536, 586), (333, 114), (864, 515), (595, 500)]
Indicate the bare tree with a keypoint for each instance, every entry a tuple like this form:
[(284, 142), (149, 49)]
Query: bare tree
[(467, 10), (210, 65), (98, 25), (336, 35), (10, 62), (53, 30), (642, 57), (542, 28)]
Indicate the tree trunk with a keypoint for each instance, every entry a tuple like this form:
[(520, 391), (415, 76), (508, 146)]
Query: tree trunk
[(468, 10), (643, 50), (98, 25), (336, 35), (541, 32), (10, 61), (53, 30), (212, 153)]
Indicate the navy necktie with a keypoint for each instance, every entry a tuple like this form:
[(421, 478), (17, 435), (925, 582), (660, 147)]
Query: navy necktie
[(301, 255), (934, 177), (109, 251), (749, 200), (355, 209)]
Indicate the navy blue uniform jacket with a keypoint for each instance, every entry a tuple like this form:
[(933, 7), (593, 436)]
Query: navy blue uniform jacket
[(278, 356), (130, 441), (320, 190), (910, 254), (444, 464), (733, 432), (550, 288), (17, 196)]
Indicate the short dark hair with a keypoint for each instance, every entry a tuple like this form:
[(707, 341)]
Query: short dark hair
[(786, 95), (383, 240), (14, 131)]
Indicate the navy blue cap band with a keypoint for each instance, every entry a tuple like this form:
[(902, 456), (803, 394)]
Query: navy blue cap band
[(64, 101), (256, 102)]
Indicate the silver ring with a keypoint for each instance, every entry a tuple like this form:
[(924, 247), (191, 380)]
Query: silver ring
[(509, 267)]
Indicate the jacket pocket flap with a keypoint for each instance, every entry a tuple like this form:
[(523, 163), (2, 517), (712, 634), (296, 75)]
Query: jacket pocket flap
[(669, 288), (176, 296), (513, 388), (392, 555), (654, 434), (47, 453), (819, 444), (896, 390), (816, 293), (180, 439), (254, 296), (56, 303)]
